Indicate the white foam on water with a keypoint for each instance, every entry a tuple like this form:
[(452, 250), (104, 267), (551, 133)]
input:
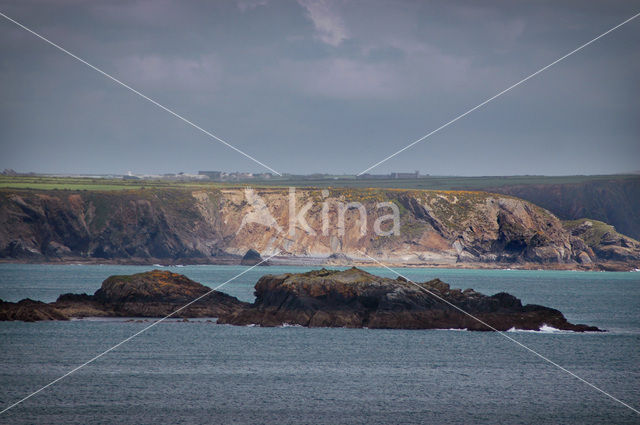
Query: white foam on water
[(453, 329), (547, 328), (543, 329)]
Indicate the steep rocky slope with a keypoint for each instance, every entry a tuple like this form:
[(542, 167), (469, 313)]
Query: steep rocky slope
[(602, 240), (110, 225), (615, 201), (433, 227)]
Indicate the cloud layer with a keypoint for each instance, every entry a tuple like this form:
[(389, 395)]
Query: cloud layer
[(319, 86)]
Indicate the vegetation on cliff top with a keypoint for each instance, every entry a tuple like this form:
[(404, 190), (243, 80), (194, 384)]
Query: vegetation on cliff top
[(594, 232), (206, 224)]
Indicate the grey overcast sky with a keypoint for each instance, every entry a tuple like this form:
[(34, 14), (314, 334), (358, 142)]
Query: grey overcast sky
[(320, 86)]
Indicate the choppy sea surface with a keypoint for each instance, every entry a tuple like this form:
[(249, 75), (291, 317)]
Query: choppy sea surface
[(199, 372)]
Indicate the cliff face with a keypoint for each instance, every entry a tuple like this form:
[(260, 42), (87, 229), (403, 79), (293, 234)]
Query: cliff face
[(433, 227), (109, 225), (616, 202), (602, 240)]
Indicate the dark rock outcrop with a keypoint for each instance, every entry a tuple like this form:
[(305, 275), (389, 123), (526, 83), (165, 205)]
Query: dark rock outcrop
[(354, 298), (320, 298), (29, 311), (150, 294), (251, 258), (339, 259), (158, 293)]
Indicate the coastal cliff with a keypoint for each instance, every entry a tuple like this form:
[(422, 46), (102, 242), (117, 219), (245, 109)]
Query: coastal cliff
[(615, 201), (436, 228)]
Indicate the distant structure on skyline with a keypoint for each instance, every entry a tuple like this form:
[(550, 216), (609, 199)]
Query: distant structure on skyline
[(395, 175), (213, 175), (234, 176), (238, 176), (414, 175)]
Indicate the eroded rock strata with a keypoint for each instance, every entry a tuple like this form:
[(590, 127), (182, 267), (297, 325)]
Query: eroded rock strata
[(354, 298), (435, 228)]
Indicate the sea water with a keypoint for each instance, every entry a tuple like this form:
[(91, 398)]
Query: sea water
[(199, 372)]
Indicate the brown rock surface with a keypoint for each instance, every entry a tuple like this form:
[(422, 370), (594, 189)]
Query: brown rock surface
[(354, 298), (29, 311), (158, 293), (151, 294), (438, 228)]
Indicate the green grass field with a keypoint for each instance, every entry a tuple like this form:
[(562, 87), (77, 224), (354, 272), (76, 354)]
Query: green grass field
[(430, 183), (80, 183), (444, 182)]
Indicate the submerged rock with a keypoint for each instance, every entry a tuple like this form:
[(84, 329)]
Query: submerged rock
[(354, 298)]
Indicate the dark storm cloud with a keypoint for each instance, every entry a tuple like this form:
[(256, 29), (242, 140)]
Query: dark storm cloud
[(313, 86)]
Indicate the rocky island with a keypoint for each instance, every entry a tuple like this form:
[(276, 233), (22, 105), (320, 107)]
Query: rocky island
[(150, 294), (349, 298), (354, 298)]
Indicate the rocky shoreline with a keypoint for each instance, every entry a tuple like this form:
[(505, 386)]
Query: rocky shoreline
[(313, 261), (349, 298)]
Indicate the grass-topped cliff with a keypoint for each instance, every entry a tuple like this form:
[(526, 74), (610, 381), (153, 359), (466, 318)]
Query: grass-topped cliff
[(208, 223), (614, 199)]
